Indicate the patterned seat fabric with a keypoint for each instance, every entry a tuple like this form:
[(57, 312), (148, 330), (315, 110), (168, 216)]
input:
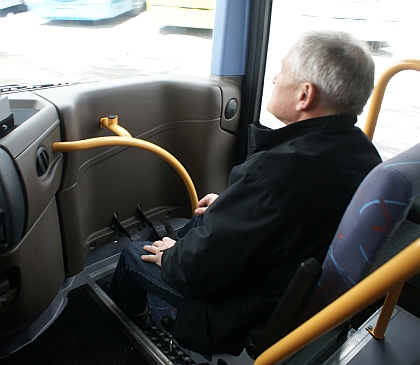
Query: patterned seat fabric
[(370, 231)]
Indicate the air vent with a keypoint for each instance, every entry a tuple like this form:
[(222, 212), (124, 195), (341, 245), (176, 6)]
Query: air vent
[(42, 161)]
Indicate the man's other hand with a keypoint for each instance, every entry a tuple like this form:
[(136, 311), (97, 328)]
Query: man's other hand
[(205, 202)]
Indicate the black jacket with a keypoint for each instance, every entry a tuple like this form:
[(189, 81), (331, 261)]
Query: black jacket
[(282, 205)]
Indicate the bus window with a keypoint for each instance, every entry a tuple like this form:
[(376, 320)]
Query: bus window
[(389, 30), (93, 40)]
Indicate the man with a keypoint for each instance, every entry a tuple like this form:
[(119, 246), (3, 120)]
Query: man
[(282, 205)]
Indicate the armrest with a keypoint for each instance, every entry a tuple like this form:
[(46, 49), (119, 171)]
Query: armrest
[(287, 311)]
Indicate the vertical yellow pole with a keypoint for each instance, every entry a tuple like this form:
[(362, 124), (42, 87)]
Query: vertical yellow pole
[(386, 312)]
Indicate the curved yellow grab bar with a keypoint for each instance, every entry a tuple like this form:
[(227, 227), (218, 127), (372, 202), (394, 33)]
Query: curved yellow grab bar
[(378, 93), (397, 270), (132, 142), (111, 123)]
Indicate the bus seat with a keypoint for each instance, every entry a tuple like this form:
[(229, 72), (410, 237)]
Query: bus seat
[(381, 220)]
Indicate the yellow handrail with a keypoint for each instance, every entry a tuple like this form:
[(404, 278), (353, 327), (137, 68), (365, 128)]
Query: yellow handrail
[(111, 123), (386, 312), (124, 139), (390, 275), (378, 93)]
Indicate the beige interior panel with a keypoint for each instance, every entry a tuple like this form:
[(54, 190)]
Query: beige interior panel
[(67, 200), (33, 265), (181, 115)]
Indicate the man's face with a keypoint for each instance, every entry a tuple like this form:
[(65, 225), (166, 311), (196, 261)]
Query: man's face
[(284, 96)]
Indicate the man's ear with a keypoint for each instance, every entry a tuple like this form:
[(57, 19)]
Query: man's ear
[(306, 96)]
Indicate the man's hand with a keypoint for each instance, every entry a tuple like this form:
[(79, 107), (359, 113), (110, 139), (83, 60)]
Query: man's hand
[(204, 203), (156, 249)]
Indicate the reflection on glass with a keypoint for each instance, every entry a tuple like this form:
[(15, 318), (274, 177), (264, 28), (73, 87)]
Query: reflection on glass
[(36, 50)]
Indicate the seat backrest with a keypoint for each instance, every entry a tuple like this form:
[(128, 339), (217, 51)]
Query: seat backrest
[(373, 228)]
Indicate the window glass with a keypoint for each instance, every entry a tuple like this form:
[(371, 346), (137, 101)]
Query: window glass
[(388, 26), (60, 41)]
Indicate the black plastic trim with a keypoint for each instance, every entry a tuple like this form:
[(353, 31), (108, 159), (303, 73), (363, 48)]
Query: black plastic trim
[(12, 202), (253, 84)]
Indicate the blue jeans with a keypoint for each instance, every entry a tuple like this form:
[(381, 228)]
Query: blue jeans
[(134, 278)]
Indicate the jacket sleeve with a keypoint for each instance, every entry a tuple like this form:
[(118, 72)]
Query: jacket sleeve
[(211, 258)]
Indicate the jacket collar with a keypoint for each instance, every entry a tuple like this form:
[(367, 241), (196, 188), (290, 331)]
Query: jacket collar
[(262, 139)]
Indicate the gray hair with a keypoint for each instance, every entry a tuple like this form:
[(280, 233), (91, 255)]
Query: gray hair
[(340, 67)]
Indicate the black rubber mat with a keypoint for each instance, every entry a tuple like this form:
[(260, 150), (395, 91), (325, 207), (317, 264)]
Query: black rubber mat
[(82, 334)]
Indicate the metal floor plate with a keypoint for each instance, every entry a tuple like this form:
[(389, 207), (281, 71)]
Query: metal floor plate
[(400, 346)]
